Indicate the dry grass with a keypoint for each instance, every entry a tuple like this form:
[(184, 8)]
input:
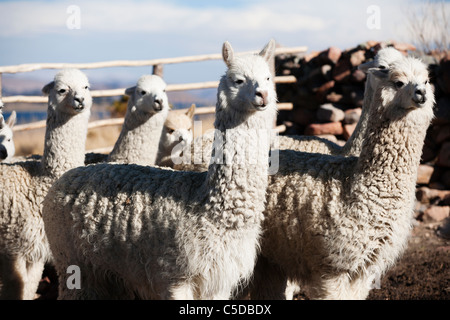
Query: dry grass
[(32, 141)]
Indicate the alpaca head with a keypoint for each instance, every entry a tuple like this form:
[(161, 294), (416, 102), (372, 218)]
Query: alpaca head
[(405, 90), (149, 96), (247, 86), (7, 148), (383, 60), (178, 128), (69, 92)]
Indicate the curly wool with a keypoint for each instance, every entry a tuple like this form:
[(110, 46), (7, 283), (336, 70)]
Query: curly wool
[(23, 245), (333, 224), (179, 235)]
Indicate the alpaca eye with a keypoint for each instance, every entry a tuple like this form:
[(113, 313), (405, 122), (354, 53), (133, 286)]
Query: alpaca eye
[(399, 84), (143, 92), (87, 87), (61, 91), (268, 79), (382, 67), (239, 81), (170, 131)]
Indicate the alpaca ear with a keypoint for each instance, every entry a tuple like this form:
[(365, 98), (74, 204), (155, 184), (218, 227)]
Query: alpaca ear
[(130, 91), (12, 119), (379, 73), (49, 86), (269, 50), (191, 111), (2, 121), (227, 53)]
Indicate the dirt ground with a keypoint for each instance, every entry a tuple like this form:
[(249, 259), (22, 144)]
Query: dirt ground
[(422, 273)]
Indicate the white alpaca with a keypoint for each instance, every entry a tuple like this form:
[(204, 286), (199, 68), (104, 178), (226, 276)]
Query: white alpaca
[(23, 245), (146, 113), (155, 233), (147, 110), (201, 147), (176, 136), (336, 224), (7, 148)]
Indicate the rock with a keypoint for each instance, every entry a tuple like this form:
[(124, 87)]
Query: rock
[(428, 195), (428, 153), (311, 56), (331, 55), (442, 111), (424, 174), (334, 128), (404, 47), (443, 80), (445, 179), (444, 155), (302, 116), (352, 115), (334, 97), (436, 213), (329, 113), (443, 134), (443, 230), (357, 57), (342, 70), (358, 76), (348, 130)]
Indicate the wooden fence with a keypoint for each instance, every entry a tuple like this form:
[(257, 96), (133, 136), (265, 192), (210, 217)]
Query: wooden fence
[(157, 65)]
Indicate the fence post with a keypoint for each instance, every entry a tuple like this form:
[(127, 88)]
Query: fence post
[(158, 70)]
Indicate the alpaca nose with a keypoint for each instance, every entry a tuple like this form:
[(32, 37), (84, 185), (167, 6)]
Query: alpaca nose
[(419, 96), (79, 99), (263, 94), (158, 104), (3, 153)]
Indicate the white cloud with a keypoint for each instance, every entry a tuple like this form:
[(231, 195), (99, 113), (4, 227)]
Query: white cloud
[(37, 17)]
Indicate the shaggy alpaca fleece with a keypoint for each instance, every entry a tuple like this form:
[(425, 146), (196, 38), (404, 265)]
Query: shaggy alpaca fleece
[(147, 111), (156, 233), (336, 224), (23, 244)]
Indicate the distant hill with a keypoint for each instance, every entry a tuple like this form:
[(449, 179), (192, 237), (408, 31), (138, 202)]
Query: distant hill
[(29, 86)]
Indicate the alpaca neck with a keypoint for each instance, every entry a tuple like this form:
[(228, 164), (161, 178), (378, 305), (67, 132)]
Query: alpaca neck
[(353, 145), (138, 141), (237, 179), (65, 140), (390, 157)]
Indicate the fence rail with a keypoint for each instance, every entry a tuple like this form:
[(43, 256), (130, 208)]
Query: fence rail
[(157, 67)]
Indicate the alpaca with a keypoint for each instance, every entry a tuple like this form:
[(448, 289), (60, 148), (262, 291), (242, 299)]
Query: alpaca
[(201, 146), (176, 136), (153, 233), (7, 148), (335, 224), (147, 111), (23, 245)]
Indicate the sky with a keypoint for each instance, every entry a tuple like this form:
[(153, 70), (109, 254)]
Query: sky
[(90, 31)]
